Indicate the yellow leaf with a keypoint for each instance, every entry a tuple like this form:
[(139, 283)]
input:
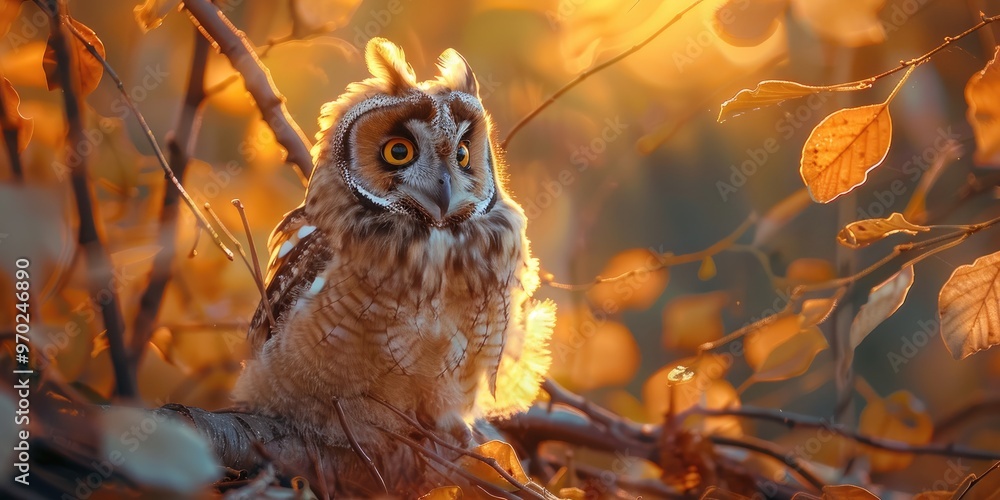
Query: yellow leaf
[(11, 102), (843, 148), (792, 357), (443, 493), (898, 417), (150, 14), (770, 92), (683, 383), (693, 320), (758, 344), (746, 23), (707, 269), (865, 232), (851, 23), (808, 271), (504, 454), (982, 93), (639, 284), (815, 311), (572, 493), (847, 492), (969, 305), (884, 299), (89, 69)]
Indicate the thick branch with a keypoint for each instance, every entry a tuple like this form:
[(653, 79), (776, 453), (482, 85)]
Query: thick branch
[(98, 261), (235, 46), (180, 143)]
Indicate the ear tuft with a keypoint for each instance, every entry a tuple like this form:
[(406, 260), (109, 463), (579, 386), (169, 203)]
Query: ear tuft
[(456, 73), (387, 62)]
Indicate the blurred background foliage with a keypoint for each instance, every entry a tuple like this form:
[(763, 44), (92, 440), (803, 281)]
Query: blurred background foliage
[(628, 163)]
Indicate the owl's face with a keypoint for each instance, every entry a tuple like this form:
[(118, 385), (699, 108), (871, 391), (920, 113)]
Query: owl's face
[(420, 152)]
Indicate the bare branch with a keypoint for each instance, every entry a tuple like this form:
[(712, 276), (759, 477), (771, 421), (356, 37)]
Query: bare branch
[(235, 46)]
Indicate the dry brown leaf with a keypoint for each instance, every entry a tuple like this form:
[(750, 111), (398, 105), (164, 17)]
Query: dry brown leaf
[(847, 492), (89, 69), (746, 23), (898, 417), (792, 357), (505, 456), (982, 94), (443, 493), (150, 14), (693, 320), (969, 306), (636, 290), (851, 23), (984, 487), (816, 311), (884, 299), (865, 232), (770, 92), (11, 103)]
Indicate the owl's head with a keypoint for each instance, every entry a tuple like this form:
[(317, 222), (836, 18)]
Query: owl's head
[(409, 150)]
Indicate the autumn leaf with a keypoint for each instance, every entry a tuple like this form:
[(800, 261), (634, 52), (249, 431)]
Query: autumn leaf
[(637, 281), (982, 93), (845, 146), (770, 92), (816, 311), (984, 487), (898, 417), (88, 68), (150, 14), (716, 493), (13, 118), (792, 357), (746, 23), (693, 320), (707, 269), (806, 271), (884, 299), (443, 493), (865, 232), (969, 306), (505, 456), (847, 492)]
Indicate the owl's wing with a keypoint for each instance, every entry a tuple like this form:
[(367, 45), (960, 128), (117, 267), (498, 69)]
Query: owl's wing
[(296, 256)]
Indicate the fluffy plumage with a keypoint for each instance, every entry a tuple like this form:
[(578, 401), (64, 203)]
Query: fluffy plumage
[(410, 283)]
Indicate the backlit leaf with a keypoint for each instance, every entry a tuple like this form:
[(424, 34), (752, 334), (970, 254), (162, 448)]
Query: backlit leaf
[(843, 148), (865, 232), (816, 311), (969, 305), (693, 320), (505, 456), (759, 344), (792, 357), (11, 102), (982, 94), (89, 69), (806, 271), (770, 92), (898, 417), (884, 299), (150, 14), (847, 492), (638, 286)]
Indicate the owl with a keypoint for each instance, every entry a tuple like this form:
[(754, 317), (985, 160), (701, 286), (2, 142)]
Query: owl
[(405, 274)]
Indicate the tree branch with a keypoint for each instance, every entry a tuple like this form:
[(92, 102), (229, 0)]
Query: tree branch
[(180, 143), (89, 237), (235, 46)]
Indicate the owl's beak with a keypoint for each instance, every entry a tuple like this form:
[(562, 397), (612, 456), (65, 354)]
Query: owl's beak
[(442, 194)]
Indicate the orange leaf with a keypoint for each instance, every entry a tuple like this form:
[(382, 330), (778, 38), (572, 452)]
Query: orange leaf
[(89, 69), (847, 492), (639, 284), (982, 93), (898, 417), (150, 14), (770, 92), (505, 456), (884, 299), (693, 320), (807, 271), (969, 305), (843, 148), (792, 357), (865, 232)]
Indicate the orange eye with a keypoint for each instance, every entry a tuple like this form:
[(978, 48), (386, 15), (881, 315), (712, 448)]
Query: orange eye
[(462, 155), (398, 152)]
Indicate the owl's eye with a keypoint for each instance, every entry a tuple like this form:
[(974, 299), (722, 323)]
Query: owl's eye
[(398, 152), (463, 155)]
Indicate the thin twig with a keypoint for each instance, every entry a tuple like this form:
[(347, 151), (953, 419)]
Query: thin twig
[(664, 261), (180, 143), (235, 46), (792, 421), (586, 74), (148, 134), (258, 276), (358, 450), (790, 460), (99, 263)]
